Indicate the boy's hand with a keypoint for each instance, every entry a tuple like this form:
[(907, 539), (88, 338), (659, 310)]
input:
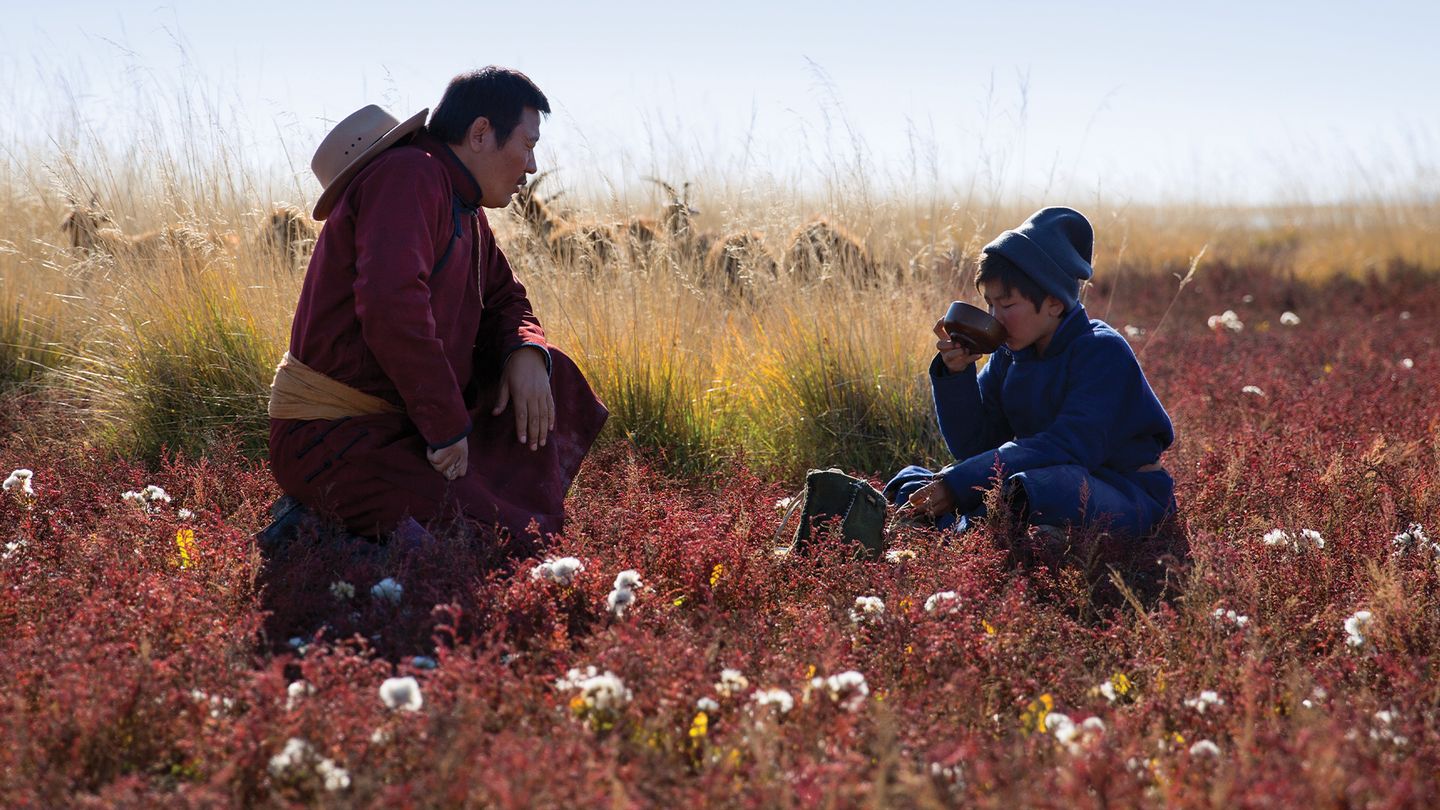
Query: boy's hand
[(955, 356), (933, 500), (525, 384)]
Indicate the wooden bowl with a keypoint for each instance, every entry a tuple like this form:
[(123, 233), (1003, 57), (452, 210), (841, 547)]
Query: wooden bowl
[(973, 328)]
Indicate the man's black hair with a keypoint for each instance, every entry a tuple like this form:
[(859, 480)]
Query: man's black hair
[(994, 267), (496, 93)]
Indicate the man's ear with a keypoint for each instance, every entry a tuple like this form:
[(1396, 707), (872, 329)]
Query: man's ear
[(479, 129)]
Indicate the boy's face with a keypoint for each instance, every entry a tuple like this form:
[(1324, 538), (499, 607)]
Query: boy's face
[(1023, 325)]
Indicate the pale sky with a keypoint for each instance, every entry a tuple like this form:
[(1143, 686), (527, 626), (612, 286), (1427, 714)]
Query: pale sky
[(1218, 101)]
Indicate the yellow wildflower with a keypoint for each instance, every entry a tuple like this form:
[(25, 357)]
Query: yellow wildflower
[(185, 541), (700, 726), (1121, 683), (1033, 718), (716, 573)]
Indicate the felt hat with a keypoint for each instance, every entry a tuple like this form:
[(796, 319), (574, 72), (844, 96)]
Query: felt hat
[(1053, 247), (353, 142)]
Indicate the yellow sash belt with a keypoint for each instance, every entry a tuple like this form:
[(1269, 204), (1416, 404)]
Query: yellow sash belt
[(301, 392)]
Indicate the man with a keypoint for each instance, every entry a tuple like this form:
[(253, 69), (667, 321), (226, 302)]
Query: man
[(416, 389)]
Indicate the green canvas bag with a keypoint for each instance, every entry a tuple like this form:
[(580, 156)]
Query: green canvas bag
[(835, 502)]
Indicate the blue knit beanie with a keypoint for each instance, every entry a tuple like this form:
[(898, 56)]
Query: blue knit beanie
[(1053, 248)]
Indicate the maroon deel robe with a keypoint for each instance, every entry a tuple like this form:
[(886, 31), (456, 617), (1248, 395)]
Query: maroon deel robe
[(380, 311)]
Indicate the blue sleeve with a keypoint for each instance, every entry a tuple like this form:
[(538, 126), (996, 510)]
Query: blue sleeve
[(1101, 380), (967, 407)]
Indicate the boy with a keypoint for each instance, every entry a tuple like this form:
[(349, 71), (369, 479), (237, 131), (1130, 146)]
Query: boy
[(1061, 414)]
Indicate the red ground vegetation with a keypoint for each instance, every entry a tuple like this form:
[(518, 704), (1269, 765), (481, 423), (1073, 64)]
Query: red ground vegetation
[(143, 667)]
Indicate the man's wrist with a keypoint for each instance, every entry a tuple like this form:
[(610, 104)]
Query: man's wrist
[(544, 354)]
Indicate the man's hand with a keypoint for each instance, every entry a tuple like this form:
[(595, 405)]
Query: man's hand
[(933, 500), (525, 384), (954, 355), (451, 462)]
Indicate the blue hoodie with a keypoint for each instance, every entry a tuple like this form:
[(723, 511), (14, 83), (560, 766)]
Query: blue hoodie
[(1084, 403)]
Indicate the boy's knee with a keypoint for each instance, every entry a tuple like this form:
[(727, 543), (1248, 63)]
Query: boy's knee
[(1016, 498), (899, 489)]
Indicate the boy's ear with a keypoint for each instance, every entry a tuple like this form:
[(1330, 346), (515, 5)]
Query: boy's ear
[(1053, 306)]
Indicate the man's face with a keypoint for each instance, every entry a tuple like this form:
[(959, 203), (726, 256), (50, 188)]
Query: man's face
[(501, 168), (1023, 325)]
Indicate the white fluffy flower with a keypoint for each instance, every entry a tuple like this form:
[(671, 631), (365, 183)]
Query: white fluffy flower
[(1414, 537), (185, 514), (298, 755), (1280, 537), (297, 691), (388, 590), (402, 694), (707, 705), (1253, 390), (1073, 735), (619, 601), (779, 698), (1205, 748), (293, 755), (1223, 616), (1134, 332), (1206, 699), (1108, 690), (150, 497), (333, 776), (12, 548), (558, 569), (600, 691), (848, 689), (1277, 537), (1355, 627), (342, 590), (867, 609), (20, 480), (1384, 731), (219, 705), (1057, 722), (943, 599), (899, 555), (731, 683), (623, 596), (1226, 320), (1289, 319), (1407, 364), (783, 504)]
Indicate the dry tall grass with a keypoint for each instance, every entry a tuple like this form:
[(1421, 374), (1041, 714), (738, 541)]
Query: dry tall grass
[(800, 370)]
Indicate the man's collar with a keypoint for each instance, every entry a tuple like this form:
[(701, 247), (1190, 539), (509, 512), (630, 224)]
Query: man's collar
[(465, 184)]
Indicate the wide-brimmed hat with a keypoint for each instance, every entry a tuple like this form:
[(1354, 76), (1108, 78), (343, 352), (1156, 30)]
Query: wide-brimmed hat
[(363, 134)]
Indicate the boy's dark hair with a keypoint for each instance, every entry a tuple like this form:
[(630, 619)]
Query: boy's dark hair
[(499, 94), (994, 267)]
